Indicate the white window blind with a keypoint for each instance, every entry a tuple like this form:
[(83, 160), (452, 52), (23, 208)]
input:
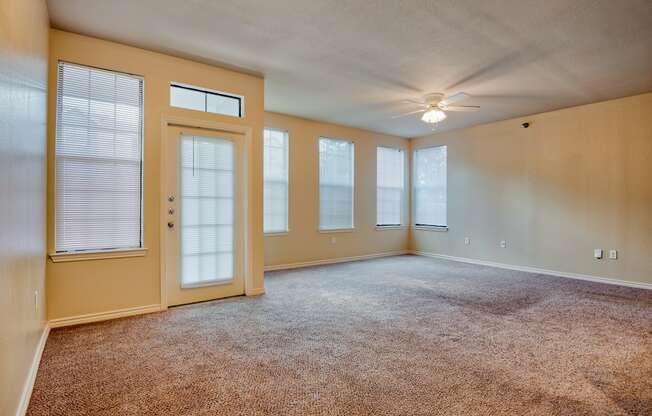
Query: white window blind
[(275, 157), (430, 186), (207, 210), (98, 159), (389, 186), (336, 179)]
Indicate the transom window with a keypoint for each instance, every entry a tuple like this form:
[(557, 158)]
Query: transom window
[(209, 101)]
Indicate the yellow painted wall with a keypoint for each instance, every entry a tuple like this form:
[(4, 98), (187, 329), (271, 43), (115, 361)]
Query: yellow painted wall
[(304, 242), (24, 30), (575, 180), (87, 287)]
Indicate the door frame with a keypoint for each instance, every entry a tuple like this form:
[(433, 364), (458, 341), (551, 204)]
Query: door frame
[(215, 127)]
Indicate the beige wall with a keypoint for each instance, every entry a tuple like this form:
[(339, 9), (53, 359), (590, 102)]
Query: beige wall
[(23, 90), (304, 242), (577, 179), (86, 287)]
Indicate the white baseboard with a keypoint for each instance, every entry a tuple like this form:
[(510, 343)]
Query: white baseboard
[(587, 277), (33, 370), (255, 292), (103, 316), (335, 260)]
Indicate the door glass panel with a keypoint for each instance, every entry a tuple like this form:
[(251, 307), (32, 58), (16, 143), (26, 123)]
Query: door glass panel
[(207, 210)]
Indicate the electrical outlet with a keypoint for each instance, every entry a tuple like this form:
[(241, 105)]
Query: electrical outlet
[(597, 253), (467, 240), (36, 300), (333, 240), (613, 254), (503, 244)]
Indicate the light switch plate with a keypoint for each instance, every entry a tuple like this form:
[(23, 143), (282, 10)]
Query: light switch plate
[(597, 253), (467, 240), (613, 254), (503, 244)]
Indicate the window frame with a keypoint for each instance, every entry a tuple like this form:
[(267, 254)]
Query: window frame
[(403, 193), (288, 228), (105, 253), (415, 225), (207, 92), (353, 187)]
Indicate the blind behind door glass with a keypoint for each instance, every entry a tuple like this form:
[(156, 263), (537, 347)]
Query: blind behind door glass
[(207, 210), (98, 159)]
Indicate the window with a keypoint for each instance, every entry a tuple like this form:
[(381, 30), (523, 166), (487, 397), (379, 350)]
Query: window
[(430, 187), (389, 186), (336, 175), (98, 159), (275, 155), (194, 98)]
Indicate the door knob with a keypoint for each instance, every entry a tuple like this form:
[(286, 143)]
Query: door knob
[(170, 224), (171, 198)]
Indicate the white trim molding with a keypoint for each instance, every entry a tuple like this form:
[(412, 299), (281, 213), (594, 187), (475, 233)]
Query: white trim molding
[(98, 255), (436, 228), (103, 316), (391, 227), (255, 291), (335, 260), (33, 371), (577, 276)]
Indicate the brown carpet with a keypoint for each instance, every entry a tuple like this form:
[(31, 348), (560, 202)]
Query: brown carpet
[(396, 336)]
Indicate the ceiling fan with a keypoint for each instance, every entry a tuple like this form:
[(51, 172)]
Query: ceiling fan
[(435, 105)]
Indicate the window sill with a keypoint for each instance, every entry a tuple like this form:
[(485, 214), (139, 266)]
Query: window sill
[(436, 228), (390, 227), (337, 230), (97, 255), (277, 233)]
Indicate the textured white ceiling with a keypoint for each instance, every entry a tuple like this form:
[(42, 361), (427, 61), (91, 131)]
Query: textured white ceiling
[(353, 62)]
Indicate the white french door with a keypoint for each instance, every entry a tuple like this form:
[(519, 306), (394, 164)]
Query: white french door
[(204, 201)]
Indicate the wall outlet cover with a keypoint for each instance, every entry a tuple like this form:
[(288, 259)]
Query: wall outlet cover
[(467, 240), (613, 254), (503, 244)]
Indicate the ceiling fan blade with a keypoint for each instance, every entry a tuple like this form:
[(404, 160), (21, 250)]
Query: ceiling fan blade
[(460, 96), (415, 102), (461, 108), (410, 113)]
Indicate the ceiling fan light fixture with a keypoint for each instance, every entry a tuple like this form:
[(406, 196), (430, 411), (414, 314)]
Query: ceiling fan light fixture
[(433, 116)]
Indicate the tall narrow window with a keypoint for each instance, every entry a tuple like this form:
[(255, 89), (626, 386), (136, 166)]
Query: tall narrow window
[(389, 186), (98, 159), (336, 178), (430, 187), (275, 162)]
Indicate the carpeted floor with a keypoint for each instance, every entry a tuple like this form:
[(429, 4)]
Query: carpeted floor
[(395, 336)]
